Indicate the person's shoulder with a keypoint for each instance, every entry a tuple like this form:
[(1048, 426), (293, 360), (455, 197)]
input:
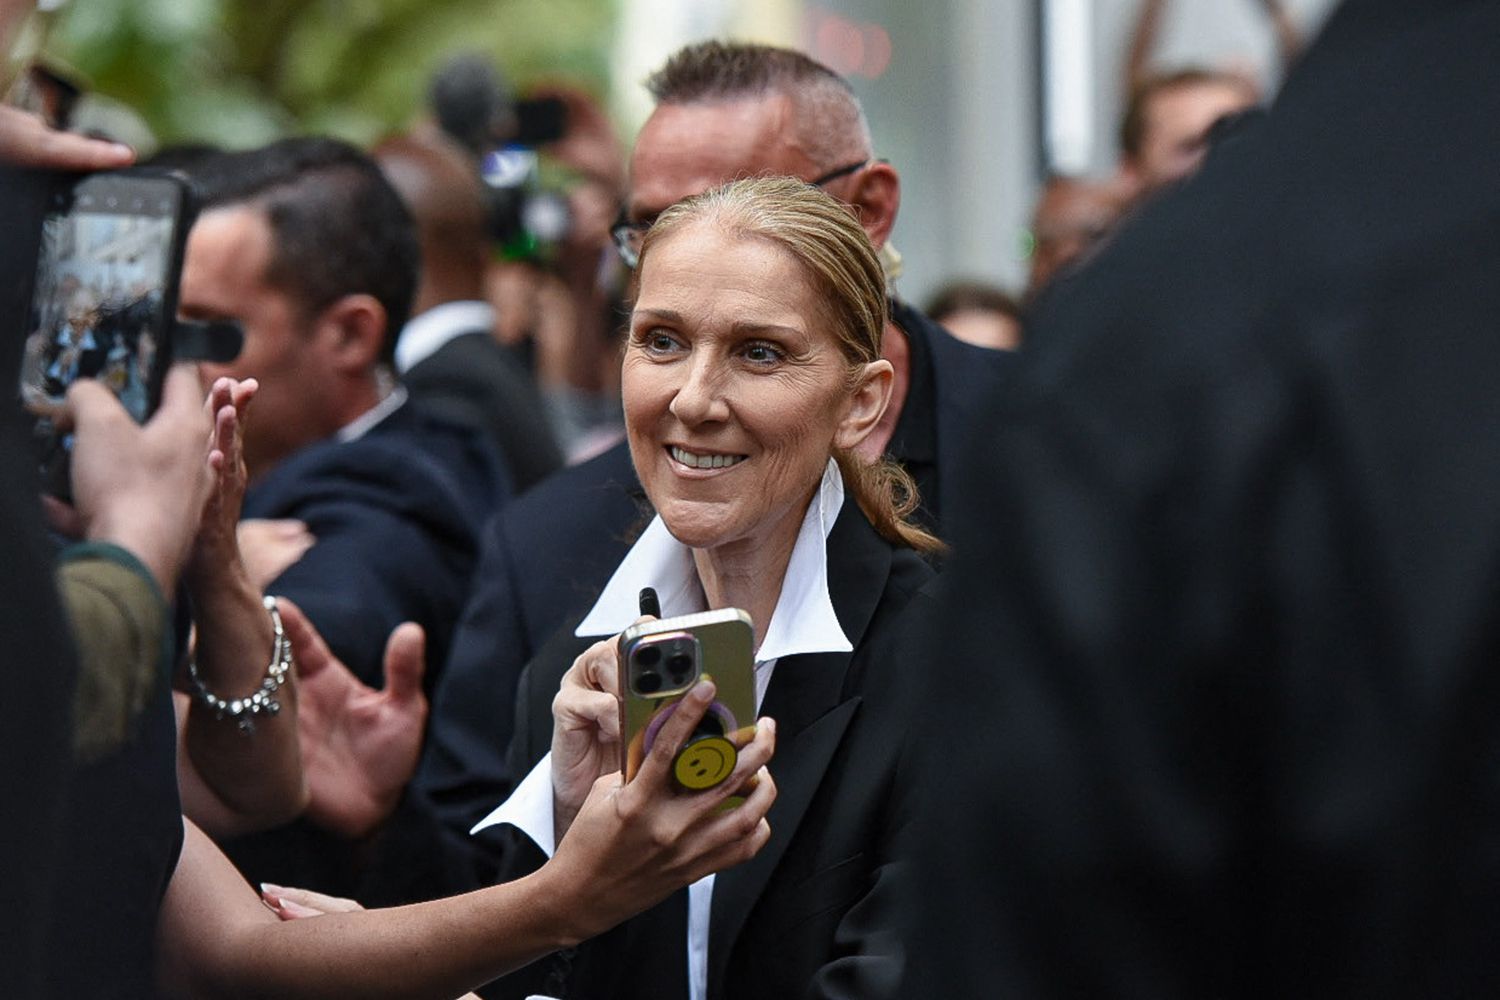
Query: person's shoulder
[(559, 541), (602, 489), (963, 375), (387, 471), (473, 357), (868, 571)]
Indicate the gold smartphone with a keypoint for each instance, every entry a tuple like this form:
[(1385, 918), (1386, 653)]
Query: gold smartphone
[(659, 662)]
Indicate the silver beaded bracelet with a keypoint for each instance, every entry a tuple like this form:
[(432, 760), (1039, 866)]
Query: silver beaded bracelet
[(244, 710)]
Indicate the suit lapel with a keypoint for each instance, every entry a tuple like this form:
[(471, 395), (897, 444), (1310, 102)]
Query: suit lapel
[(809, 700)]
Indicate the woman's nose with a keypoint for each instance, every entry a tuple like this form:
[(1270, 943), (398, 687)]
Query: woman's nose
[(700, 397)]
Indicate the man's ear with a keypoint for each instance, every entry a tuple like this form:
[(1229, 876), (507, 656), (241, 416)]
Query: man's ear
[(866, 405), (353, 329), (876, 198)]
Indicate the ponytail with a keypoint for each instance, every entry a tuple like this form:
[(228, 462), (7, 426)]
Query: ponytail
[(887, 495)]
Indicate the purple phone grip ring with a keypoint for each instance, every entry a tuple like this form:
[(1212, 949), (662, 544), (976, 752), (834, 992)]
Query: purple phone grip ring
[(726, 718)]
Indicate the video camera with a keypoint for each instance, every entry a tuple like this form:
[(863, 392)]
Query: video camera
[(474, 107)]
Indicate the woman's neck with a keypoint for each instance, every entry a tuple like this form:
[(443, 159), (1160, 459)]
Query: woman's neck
[(748, 573)]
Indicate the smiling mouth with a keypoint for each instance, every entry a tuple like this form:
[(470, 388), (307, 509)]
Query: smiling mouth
[(693, 460)]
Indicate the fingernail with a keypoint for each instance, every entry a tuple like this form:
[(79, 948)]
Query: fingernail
[(298, 910), (271, 890)]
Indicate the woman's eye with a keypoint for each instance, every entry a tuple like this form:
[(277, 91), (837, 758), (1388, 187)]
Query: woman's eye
[(658, 342), (762, 354)]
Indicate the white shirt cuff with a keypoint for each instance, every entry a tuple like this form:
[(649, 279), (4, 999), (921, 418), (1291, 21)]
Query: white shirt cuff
[(529, 808)]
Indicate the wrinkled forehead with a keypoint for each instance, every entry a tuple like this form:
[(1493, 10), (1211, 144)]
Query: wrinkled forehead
[(686, 149)]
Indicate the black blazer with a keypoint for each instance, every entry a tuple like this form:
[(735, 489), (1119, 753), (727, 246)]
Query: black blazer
[(544, 560), (395, 514), (1236, 533), (808, 916), (547, 556), (950, 382), (474, 380)]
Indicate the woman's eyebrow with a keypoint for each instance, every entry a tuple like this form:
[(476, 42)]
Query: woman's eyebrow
[(747, 328), (665, 315)]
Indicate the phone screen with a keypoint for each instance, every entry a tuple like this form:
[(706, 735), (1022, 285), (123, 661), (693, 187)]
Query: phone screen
[(100, 299)]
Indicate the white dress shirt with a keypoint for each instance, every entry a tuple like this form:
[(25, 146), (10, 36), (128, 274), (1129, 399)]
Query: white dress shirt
[(367, 421), (803, 622), (424, 334)]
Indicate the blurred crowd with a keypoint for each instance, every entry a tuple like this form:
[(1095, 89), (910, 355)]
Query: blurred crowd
[(1128, 633)]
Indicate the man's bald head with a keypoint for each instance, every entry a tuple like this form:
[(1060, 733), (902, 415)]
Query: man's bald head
[(445, 196)]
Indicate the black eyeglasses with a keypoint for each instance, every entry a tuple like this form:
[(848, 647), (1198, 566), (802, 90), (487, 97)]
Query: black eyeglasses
[(628, 235), (838, 172)]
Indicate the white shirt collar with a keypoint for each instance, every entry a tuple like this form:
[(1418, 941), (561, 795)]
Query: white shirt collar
[(804, 620), (424, 334), (366, 421)]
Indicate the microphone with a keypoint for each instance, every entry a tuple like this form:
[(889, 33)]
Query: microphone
[(472, 103)]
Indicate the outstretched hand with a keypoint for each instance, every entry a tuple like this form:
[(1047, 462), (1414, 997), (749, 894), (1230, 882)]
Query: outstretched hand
[(217, 545), (359, 745), (633, 844)]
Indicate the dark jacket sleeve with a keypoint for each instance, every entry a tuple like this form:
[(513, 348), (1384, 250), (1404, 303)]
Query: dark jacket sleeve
[(394, 544), (463, 774)]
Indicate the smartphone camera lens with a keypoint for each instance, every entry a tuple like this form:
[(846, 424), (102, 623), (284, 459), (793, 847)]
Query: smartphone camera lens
[(648, 682), (679, 665), (648, 656)]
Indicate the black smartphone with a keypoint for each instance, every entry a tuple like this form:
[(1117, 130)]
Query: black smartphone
[(104, 299)]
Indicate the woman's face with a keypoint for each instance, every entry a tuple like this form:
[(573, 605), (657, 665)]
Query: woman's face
[(735, 390)]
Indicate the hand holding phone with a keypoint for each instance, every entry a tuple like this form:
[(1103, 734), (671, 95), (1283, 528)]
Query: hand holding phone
[(634, 844), (104, 300), (142, 487)]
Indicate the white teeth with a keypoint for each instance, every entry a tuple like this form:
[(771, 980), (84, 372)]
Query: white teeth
[(693, 461)]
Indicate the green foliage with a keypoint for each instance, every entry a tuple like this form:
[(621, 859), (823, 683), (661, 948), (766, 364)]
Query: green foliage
[(239, 72)]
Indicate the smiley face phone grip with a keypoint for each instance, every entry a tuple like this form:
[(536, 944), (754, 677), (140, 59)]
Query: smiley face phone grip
[(708, 755)]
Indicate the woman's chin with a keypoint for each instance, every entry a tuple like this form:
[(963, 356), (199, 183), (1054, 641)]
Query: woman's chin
[(698, 528)]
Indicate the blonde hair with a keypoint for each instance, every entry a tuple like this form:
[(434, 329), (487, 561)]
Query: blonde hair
[(823, 235)]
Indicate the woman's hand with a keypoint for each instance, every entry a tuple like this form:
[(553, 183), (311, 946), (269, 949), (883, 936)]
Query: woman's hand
[(217, 547), (631, 845), (298, 904), (585, 729)]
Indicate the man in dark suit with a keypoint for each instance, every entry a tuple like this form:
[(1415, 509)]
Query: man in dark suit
[(723, 112), (1224, 588), (447, 354), (308, 247)]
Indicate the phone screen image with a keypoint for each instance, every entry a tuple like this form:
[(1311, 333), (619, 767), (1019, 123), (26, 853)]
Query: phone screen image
[(100, 297)]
